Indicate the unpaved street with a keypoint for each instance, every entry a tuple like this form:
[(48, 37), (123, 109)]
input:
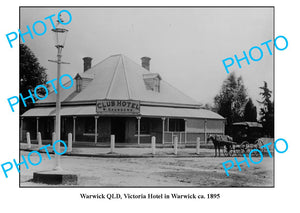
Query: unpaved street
[(193, 172)]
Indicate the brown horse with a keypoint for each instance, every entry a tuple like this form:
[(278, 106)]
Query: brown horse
[(219, 141)]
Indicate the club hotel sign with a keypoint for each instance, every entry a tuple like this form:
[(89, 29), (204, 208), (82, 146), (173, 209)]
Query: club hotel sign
[(117, 107)]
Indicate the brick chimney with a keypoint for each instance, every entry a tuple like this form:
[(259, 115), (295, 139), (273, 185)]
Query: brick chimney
[(87, 63), (146, 62)]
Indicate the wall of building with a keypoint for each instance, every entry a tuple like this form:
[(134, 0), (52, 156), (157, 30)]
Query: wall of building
[(155, 129), (200, 127), (130, 130), (66, 127), (29, 125), (85, 129), (104, 129)]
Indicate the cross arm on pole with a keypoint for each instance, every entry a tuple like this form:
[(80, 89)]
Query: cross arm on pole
[(62, 62)]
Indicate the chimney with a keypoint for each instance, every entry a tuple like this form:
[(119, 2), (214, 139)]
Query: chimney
[(87, 63), (146, 62)]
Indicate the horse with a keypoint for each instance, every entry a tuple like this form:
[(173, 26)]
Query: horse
[(219, 141)]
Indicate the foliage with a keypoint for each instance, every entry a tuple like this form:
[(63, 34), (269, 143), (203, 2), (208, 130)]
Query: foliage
[(31, 75), (267, 110), (250, 113), (231, 100)]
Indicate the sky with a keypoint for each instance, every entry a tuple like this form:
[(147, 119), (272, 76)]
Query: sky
[(186, 45)]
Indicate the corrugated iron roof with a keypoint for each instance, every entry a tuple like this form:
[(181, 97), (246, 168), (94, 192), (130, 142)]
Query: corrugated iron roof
[(118, 77)]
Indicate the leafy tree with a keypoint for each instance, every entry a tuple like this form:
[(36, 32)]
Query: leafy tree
[(250, 113), (267, 110), (231, 100), (31, 75)]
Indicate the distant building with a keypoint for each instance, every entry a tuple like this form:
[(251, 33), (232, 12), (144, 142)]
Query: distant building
[(119, 97)]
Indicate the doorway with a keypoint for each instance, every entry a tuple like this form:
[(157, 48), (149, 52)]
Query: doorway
[(118, 129)]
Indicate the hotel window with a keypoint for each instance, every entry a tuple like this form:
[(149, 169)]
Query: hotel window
[(89, 125), (152, 81), (176, 125), (156, 85), (78, 84)]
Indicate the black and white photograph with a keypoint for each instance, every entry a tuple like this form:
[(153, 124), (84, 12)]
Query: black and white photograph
[(149, 106), (146, 96)]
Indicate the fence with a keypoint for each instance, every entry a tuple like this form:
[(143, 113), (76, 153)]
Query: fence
[(187, 137)]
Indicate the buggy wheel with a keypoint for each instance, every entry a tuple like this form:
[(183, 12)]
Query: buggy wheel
[(227, 150), (235, 149), (244, 148), (258, 144)]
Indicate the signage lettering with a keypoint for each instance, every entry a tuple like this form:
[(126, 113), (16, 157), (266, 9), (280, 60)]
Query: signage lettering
[(117, 107)]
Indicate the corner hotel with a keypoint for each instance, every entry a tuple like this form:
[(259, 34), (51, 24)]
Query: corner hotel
[(120, 97)]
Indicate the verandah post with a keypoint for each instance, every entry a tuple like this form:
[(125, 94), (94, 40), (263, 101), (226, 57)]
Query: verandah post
[(139, 129)]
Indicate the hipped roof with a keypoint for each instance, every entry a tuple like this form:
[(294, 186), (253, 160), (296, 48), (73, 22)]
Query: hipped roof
[(118, 77)]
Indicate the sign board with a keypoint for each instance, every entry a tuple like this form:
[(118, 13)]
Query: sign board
[(117, 107)]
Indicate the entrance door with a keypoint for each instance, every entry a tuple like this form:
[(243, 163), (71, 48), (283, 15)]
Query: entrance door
[(118, 129)]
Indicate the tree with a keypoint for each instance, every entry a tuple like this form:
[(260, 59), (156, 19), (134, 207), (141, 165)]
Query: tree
[(250, 113), (267, 110), (231, 100), (31, 75)]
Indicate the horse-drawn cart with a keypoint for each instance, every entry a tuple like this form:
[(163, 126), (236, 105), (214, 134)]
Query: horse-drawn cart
[(246, 136)]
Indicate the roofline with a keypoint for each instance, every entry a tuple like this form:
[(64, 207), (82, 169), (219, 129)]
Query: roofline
[(131, 116), (143, 103)]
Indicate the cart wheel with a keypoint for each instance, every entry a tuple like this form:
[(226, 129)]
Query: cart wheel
[(227, 150), (235, 149), (244, 148), (258, 144)]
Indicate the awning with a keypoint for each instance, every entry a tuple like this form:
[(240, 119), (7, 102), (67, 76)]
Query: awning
[(178, 112), (40, 111), (149, 111), (65, 111)]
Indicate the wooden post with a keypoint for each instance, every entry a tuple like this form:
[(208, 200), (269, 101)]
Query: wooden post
[(37, 127), (96, 130), (180, 137), (39, 139), (28, 140), (112, 143), (74, 128), (54, 124), (185, 130), (69, 142), (198, 146), (139, 129), (205, 135), (163, 130), (153, 140), (21, 129), (175, 145)]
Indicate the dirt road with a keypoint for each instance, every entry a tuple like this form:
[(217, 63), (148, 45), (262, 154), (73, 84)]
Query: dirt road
[(160, 172)]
